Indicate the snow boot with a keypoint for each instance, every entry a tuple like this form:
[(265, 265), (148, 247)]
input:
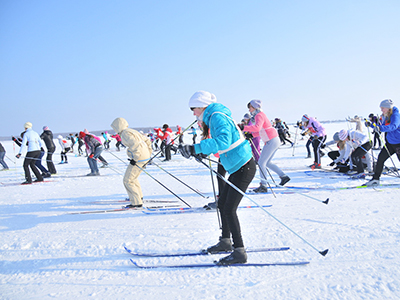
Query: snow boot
[(315, 166), (238, 256), (134, 206), (372, 182), (284, 179), (224, 245), (261, 189), (211, 205)]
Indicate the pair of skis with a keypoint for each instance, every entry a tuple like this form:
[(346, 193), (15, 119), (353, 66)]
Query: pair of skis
[(160, 209), (208, 265)]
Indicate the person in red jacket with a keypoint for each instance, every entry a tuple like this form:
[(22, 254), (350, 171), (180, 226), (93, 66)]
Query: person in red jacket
[(168, 141), (180, 133)]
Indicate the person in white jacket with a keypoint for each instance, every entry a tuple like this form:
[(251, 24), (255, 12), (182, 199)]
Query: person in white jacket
[(139, 151), (32, 143), (64, 149), (360, 145)]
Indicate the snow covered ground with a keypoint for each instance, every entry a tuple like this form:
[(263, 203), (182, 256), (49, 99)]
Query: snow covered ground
[(46, 253)]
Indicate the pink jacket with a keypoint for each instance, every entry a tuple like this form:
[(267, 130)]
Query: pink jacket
[(262, 128)]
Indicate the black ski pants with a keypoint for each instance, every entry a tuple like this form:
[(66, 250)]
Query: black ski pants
[(229, 201), (357, 155), (387, 151), (30, 161), (49, 161), (316, 143)]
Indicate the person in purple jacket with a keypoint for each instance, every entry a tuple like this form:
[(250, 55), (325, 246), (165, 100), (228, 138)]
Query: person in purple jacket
[(315, 129)]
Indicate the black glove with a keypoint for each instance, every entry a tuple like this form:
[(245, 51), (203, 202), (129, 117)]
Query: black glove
[(303, 133), (323, 146), (18, 155), (241, 126), (132, 162), (367, 123), (248, 135), (332, 164), (187, 150)]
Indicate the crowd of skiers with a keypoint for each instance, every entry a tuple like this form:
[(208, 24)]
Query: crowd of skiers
[(240, 148)]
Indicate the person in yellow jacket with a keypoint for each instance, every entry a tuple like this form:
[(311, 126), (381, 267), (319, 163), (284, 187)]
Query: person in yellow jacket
[(139, 152)]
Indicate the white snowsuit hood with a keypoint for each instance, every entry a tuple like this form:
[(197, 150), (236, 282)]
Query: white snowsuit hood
[(119, 124), (138, 146)]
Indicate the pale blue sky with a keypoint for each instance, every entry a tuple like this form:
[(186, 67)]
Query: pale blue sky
[(80, 64)]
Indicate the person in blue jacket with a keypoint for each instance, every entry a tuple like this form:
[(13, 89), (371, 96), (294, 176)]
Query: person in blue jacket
[(235, 155), (391, 127)]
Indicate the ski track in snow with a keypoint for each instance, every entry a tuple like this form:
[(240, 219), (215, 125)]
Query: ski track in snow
[(46, 254)]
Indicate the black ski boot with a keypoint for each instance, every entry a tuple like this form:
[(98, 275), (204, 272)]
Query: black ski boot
[(284, 179), (224, 245), (238, 256)]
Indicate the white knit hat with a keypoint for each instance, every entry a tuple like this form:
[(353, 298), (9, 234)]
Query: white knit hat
[(388, 103), (202, 99), (256, 103), (28, 125), (343, 134)]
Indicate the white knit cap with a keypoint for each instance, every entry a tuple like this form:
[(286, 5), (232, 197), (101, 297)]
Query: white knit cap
[(256, 103), (388, 103), (28, 125), (343, 134), (202, 99)]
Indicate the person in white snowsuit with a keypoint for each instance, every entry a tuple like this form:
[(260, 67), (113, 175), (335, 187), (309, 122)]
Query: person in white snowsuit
[(360, 145), (64, 149), (139, 152)]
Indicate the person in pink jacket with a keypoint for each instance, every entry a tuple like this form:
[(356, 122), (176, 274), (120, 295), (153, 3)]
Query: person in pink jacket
[(262, 128)]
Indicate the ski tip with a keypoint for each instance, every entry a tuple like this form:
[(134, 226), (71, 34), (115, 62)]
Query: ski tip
[(134, 262), (326, 201), (323, 253)]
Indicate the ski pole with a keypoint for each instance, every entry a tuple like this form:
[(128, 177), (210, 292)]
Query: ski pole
[(294, 143), (390, 155), (370, 140), (305, 195), (10, 159), (168, 174), (185, 184), (163, 185), (316, 199), (171, 142), (153, 178), (215, 196), (323, 253), (261, 169)]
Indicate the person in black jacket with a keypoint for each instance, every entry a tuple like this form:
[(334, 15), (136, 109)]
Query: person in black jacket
[(281, 132), (47, 137)]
